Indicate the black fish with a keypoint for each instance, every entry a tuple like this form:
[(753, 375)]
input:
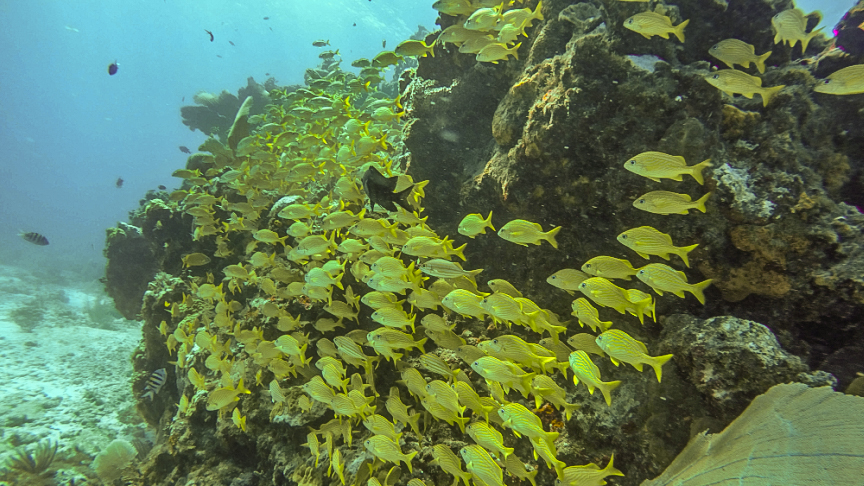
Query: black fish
[(154, 383), (185, 149), (380, 189), (34, 238), (232, 43), (384, 43), (162, 188), (217, 55), (119, 182), (112, 68), (266, 18), (211, 34)]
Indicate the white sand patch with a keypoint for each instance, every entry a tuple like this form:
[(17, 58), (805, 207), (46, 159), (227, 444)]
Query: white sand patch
[(68, 379)]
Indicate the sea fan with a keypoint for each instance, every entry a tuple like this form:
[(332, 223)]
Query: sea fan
[(36, 462)]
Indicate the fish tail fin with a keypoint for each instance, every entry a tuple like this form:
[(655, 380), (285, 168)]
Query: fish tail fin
[(760, 62), (515, 50), (679, 30), (700, 203), (806, 40), (697, 290), (537, 14), (768, 93), (657, 363), (550, 236), (414, 423), (526, 384), (488, 221), (474, 273), (569, 408), (606, 388), (461, 423), (610, 470), (408, 459), (683, 251), (420, 344), (460, 251), (696, 170)]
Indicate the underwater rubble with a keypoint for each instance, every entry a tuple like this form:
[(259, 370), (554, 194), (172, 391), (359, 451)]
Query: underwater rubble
[(284, 306)]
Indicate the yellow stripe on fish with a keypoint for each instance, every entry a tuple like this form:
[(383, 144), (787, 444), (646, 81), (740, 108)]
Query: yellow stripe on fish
[(734, 51), (847, 81), (663, 278), (585, 370), (622, 347), (646, 241), (650, 24), (732, 81), (657, 165), (665, 202)]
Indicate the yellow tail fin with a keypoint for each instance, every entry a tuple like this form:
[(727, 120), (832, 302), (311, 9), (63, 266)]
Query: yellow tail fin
[(657, 363), (700, 203), (679, 30), (683, 251), (760, 62), (768, 93), (697, 290), (550, 236), (696, 170)]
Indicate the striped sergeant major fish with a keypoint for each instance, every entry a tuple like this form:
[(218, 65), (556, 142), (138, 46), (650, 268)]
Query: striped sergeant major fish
[(34, 238), (155, 383)]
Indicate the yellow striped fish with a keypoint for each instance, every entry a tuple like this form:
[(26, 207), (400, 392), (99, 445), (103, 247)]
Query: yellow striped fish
[(621, 347)]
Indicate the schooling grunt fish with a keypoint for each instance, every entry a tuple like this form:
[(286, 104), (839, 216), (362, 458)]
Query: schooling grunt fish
[(731, 81), (847, 81), (657, 165), (734, 51), (650, 24)]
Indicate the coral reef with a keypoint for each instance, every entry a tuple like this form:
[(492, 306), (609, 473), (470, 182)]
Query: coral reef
[(214, 113), (265, 254)]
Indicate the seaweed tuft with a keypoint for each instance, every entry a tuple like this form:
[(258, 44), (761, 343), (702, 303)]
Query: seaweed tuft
[(36, 462)]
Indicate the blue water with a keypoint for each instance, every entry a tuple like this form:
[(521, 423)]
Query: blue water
[(69, 130)]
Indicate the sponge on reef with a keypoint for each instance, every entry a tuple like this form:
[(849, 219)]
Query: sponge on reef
[(792, 434)]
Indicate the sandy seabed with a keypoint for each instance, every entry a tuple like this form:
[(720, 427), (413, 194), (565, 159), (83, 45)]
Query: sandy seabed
[(64, 371)]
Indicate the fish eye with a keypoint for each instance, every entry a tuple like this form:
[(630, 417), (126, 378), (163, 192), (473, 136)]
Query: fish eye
[(630, 21), (641, 201), (716, 76), (623, 237), (716, 46), (632, 162), (587, 265), (827, 81), (641, 272)]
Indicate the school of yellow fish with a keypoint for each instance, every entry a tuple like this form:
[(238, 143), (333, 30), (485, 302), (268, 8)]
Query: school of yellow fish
[(290, 195)]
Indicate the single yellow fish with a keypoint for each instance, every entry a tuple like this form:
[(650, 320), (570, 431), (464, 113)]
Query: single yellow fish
[(465, 303), (438, 267), (497, 51), (480, 464), (588, 474), (585, 342), (525, 422), (665, 202), (650, 24), (444, 458), (847, 81), (567, 279), (474, 224), (645, 305), (621, 347), (486, 436), (544, 388), (414, 48), (387, 450), (646, 241), (587, 314), (732, 81), (585, 370), (606, 294), (663, 278), (790, 26), (609, 267), (195, 260), (657, 165), (504, 373), (524, 232), (734, 51)]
